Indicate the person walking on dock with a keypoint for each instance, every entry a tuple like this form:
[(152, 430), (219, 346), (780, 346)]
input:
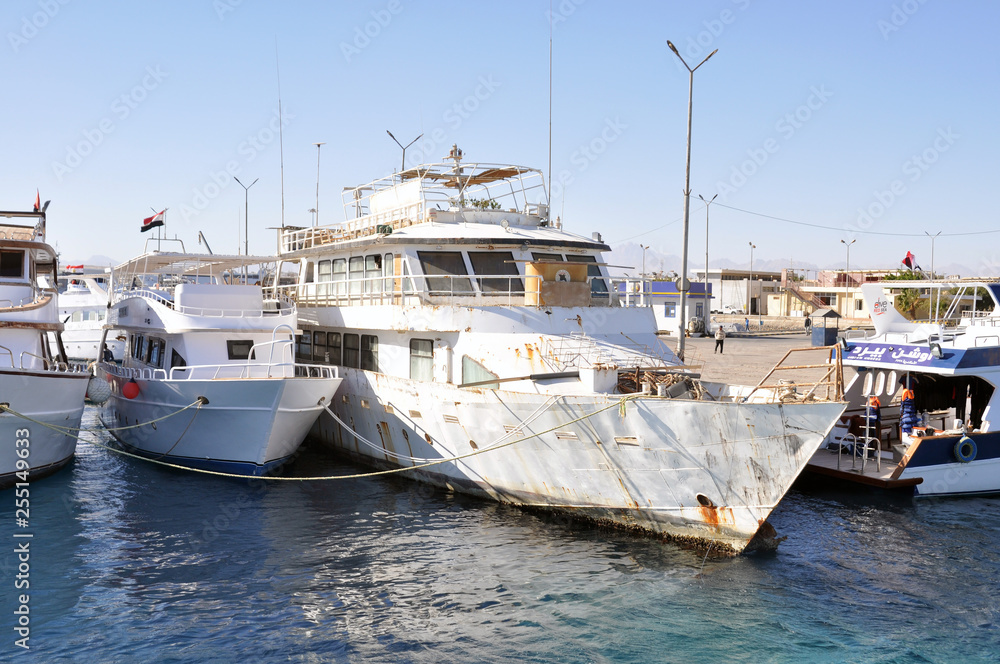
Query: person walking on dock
[(720, 339)]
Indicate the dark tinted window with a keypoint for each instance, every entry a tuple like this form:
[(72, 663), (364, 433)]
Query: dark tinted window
[(494, 263), (444, 263)]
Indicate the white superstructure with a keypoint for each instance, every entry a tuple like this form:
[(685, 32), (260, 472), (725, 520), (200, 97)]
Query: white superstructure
[(83, 308), (468, 323), (935, 381), (35, 379), (198, 333)]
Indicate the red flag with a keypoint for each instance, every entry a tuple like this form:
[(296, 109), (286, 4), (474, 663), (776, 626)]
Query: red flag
[(38, 201), (152, 222), (910, 260)]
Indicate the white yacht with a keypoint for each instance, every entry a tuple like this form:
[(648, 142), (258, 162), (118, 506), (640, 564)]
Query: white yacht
[(476, 334), (83, 307), (200, 336), (35, 378), (935, 382)]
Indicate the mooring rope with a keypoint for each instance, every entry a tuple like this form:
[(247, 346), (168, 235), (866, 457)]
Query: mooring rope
[(5, 407), (376, 473)]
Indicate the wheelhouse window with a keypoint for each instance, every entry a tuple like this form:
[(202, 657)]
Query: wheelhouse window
[(239, 349), (496, 263), (11, 264), (369, 352), (355, 274), (474, 372), (339, 276), (373, 270), (422, 359), (332, 348), (441, 268), (598, 287), (324, 275), (352, 347), (387, 270), (319, 345), (303, 350), (156, 352)]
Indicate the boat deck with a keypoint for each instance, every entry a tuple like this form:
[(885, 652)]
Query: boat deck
[(825, 462)]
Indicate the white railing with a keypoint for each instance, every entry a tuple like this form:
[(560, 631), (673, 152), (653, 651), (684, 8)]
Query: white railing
[(477, 289), (228, 371), (252, 368), (34, 360), (284, 305)]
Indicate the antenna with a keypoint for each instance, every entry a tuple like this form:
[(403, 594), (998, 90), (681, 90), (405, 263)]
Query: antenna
[(403, 167), (548, 192), (281, 143)]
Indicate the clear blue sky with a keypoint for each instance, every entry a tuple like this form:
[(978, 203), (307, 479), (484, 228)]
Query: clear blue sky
[(867, 119)]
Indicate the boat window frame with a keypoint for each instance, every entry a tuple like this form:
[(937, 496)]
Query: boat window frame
[(422, 361), (234, 348)]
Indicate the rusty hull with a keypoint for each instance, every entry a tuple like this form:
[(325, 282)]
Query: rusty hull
[(703, 472)]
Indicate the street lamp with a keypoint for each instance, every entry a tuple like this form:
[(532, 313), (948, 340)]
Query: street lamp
[(708, 300), (403, 167), (246, 208), (932, 237), (848, 245), (318, 146), (750, 280), (642, 276), (684, 283)]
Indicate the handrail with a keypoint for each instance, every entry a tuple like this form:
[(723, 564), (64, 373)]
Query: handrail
[(385, 289), (231, 371), (286, 305), (833, 378)]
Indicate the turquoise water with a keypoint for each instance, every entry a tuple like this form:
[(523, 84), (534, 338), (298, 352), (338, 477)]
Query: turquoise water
[(134, 563)]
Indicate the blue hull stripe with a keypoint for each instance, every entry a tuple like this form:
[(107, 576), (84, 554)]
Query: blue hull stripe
[(244, 468), (938, 451)]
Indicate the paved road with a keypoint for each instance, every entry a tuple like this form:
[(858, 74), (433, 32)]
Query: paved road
[(745, 360)]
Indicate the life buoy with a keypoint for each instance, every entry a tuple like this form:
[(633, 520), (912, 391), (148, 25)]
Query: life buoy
[(563, 275), (965, 449)]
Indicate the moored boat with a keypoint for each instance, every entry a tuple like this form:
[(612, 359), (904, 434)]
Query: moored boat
[(35, 378), (83, 307), (924, 413), (209, 379), (485, 348)]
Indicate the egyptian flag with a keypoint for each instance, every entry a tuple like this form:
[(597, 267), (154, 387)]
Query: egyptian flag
[(38, 201), (152, 222), (910, 260)]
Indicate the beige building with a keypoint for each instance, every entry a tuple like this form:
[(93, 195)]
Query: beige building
[(833, 289)]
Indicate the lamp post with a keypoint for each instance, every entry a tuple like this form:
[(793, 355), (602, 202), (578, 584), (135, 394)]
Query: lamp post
[(932, 237), (848, 271), (708, 300), (246, 209), (403, 167), (847, 281), (684, 283), (642, 276), (750, 280), (318, 147)]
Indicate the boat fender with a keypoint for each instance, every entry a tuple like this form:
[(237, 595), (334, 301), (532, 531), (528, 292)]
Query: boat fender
[(130, 390), (98, 391), (965, 449)]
